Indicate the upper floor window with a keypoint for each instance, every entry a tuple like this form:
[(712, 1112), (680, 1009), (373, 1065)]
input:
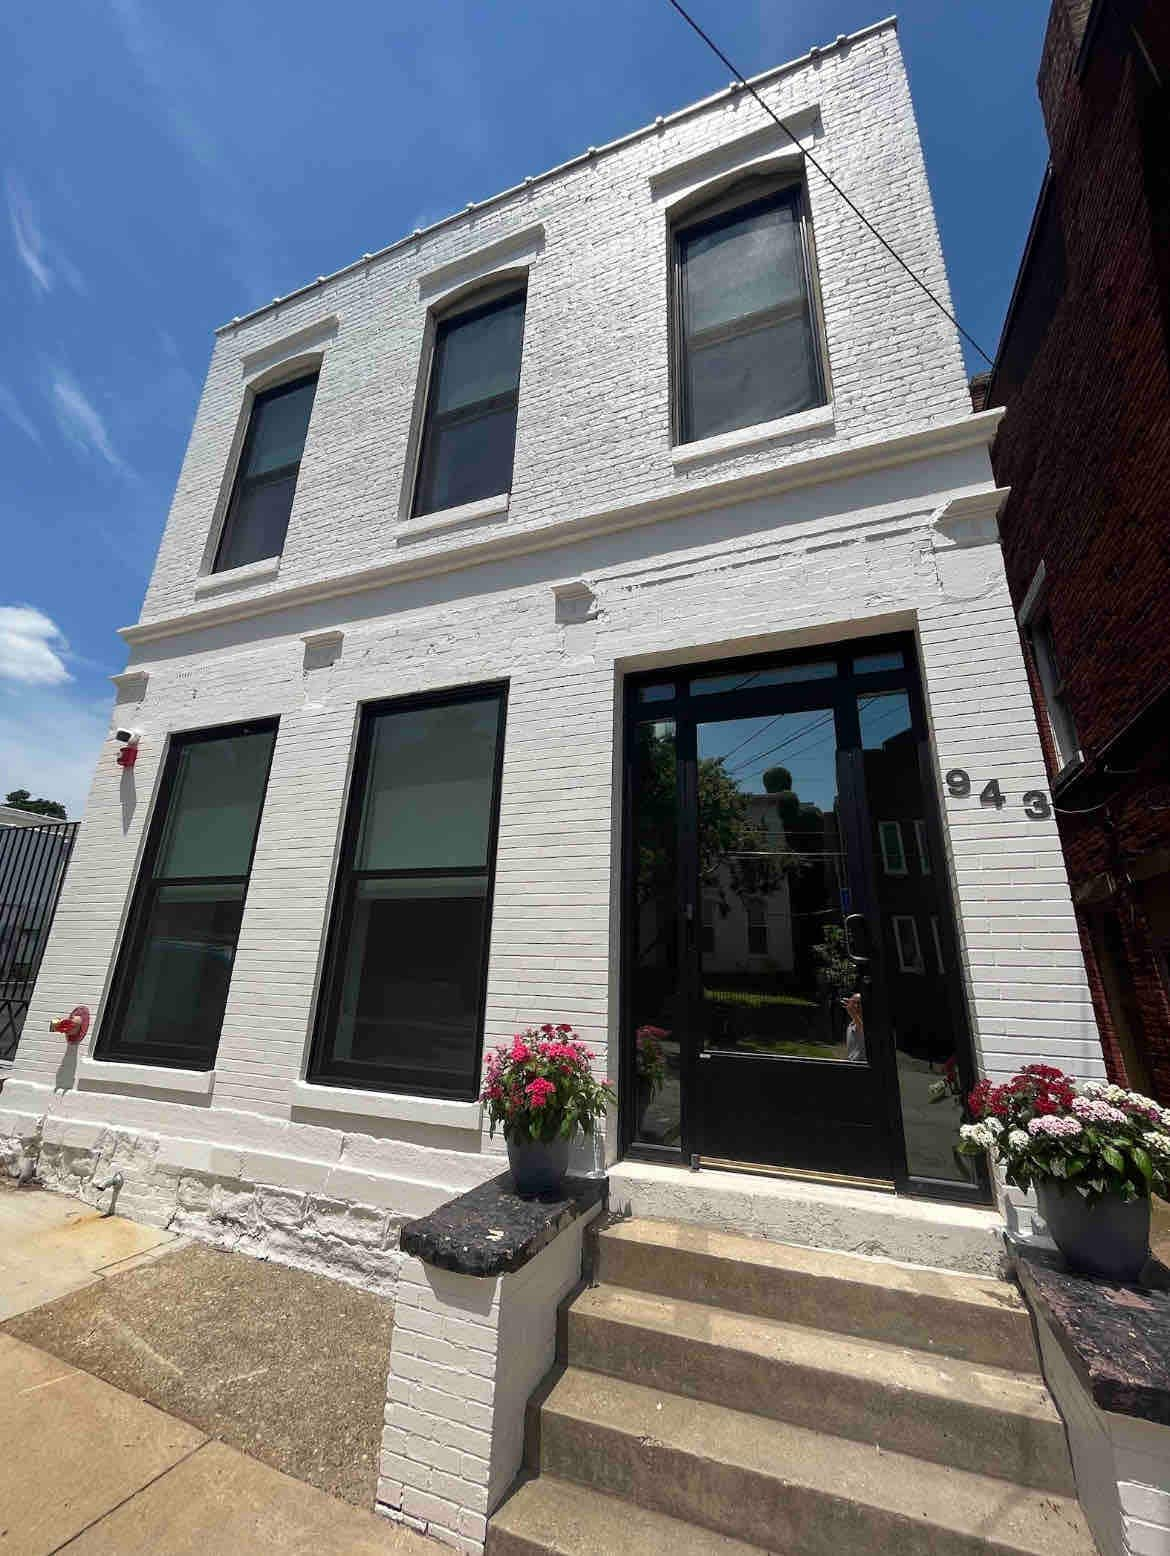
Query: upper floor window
[(262, 498), (1060, 717), (470, 431), (747, 343)]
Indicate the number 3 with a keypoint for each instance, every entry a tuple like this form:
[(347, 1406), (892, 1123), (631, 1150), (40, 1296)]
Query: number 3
[(1036, 805), (958, 782)]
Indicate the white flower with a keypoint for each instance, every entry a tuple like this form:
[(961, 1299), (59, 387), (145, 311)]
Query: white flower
[(1157, 1142), (995, 1125), (978, 1134), (1092, 1089), (1017, 1139)]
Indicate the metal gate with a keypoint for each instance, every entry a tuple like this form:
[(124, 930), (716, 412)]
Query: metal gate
[(33, 861)]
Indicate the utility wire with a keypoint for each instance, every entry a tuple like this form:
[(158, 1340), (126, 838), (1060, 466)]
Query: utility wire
[(832, 183)]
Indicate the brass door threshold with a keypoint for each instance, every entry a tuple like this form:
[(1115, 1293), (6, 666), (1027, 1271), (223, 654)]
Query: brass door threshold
[(762, 1169)]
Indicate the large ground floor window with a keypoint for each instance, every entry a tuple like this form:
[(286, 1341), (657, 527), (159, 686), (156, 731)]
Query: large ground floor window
[(171, 983), (406, 966)]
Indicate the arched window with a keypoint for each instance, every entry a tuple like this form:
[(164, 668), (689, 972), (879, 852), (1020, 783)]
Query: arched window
[(746, 340), (469, 435)]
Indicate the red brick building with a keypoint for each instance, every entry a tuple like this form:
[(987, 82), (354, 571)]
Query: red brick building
[(1083, 369)]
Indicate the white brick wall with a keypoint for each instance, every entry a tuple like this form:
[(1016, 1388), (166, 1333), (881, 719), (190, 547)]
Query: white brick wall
[(466, 1356), (1121, 1463), (828, 536), (594, 400)]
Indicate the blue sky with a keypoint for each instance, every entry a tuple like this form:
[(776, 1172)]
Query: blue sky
[(166, 167)]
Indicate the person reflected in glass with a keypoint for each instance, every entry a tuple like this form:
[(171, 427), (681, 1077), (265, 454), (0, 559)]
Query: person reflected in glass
[(855, 1031)]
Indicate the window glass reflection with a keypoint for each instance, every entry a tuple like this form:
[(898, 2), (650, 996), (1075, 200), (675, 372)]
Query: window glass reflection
[(657, 1001), (913, 939), (775, 973)]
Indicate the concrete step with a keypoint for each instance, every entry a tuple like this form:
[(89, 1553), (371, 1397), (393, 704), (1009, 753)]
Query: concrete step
[(965, 1414), (551, 1517), (969, 1317), (786, 1488)]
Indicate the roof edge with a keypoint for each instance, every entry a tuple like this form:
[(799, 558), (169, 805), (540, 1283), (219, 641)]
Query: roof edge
[(589, 155)]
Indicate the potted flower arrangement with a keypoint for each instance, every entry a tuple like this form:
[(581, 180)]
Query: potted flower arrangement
[(650, 1064), (1095, 1153), (540, 1090)]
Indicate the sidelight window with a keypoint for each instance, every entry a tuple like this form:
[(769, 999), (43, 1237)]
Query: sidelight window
[(747, 348), (266, 482), (407, 963), (171, 986), (470, 433)]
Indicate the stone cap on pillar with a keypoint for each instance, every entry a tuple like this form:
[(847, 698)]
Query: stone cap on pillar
[(491, 1230), (1116, 1337)]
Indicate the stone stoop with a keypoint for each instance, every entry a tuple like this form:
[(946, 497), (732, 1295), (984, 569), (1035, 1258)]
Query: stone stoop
[(719, 1395)]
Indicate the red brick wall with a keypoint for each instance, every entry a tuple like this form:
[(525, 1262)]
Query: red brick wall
[(1085, 446)]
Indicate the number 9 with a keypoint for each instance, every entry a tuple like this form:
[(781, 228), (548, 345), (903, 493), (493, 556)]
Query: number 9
[(1036, 805), (958, 782)]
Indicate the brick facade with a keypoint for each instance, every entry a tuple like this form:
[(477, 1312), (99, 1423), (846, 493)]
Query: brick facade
[(876, 514), (1084, 372)]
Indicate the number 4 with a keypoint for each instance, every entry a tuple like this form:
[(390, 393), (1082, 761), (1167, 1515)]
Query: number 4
[(992, 794)]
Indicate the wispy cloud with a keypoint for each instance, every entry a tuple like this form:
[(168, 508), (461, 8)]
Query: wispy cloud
[(43, 260), (178, 79), (82, 423), (11, 407), (31, 647)]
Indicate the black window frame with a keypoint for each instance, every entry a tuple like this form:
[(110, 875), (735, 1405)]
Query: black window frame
[(323, 1069), (241, 480), (477, 308), (146, 886), (742, 200)]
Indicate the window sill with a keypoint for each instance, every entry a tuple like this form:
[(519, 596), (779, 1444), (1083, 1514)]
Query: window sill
[(385, 1104), (238, 577), (158, 1077), (427, 524), (746, 439)]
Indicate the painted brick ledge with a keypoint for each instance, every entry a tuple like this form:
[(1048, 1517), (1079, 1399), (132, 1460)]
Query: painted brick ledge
[(1116, 1338), (492, 1230)]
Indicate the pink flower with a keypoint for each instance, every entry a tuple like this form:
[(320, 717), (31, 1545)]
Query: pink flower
[(520, 1050), (539, 1091), (1053, 1126), (1095, 1111)]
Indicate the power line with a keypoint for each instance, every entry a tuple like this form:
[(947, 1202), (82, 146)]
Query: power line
[(832, 183)]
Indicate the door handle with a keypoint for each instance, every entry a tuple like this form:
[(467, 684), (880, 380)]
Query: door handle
[(857, 934)]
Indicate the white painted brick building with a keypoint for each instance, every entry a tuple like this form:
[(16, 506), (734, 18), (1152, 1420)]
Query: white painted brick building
[(619, 549)]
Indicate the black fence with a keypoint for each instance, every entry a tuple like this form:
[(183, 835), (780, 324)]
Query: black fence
[(33, 861)]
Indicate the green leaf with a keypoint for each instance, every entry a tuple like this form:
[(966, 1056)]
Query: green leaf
[(1113, 1157), (1141, 1160)]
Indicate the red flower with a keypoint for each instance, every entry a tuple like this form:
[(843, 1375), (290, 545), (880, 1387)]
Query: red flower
[(539, 1091)]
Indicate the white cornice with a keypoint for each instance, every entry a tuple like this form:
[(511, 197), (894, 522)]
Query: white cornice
[(972, 431), (765, 79)]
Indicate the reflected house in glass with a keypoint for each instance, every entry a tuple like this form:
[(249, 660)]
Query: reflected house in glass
[(570, 613)]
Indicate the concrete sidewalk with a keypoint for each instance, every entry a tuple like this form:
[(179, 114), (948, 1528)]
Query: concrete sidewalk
[(90, 1467), (87, 1468)]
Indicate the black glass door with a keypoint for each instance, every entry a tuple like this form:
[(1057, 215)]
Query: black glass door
[(789, 996)]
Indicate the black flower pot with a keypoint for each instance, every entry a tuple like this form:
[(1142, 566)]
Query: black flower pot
[(538, 1166)]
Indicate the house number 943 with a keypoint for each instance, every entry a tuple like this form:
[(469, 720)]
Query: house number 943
[(1035, 802)]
